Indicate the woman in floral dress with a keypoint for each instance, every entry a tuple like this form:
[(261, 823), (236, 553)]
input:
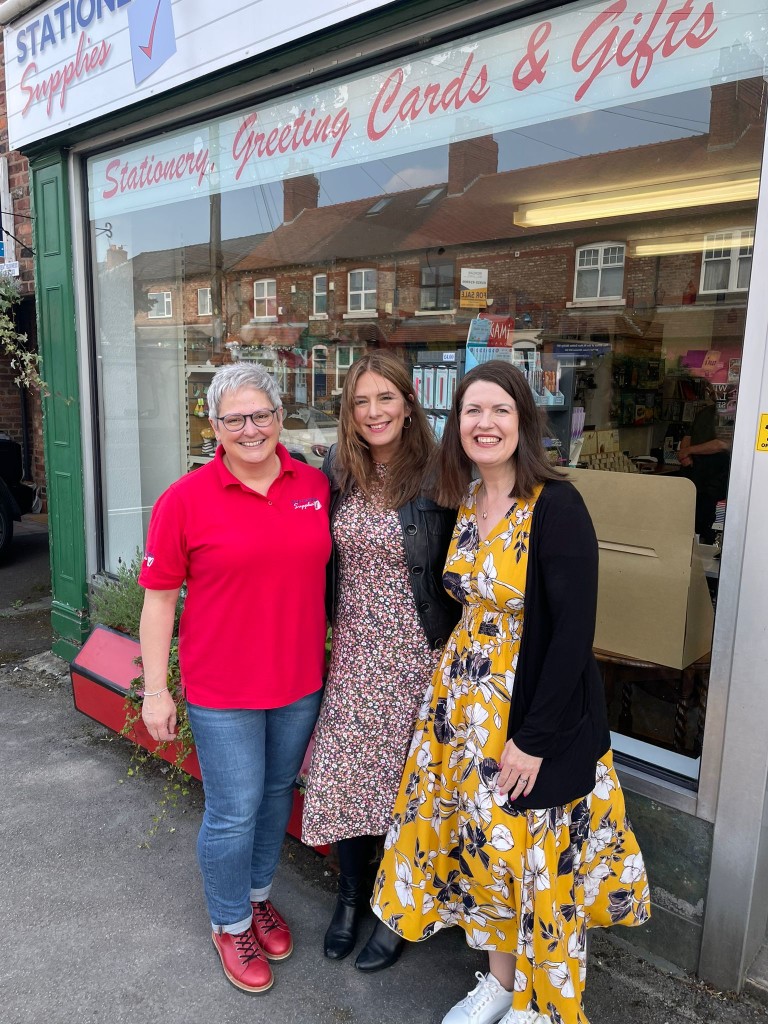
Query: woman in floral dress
[(391, 615), (510, 820)]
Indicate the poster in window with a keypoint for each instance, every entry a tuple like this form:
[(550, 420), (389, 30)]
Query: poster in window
[(441, 388), (429, 387), (418, 382), (453, 377)]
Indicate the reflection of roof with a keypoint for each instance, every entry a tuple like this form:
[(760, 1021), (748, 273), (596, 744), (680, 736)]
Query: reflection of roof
[(348, 229), (191, 260), (484, 212)]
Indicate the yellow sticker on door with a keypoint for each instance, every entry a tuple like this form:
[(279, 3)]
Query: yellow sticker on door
[(762, 433)]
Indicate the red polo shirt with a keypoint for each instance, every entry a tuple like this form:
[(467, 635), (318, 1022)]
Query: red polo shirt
[(252, 633)]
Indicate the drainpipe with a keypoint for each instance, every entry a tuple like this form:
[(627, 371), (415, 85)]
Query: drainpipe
[(13, 9), (26, 455)]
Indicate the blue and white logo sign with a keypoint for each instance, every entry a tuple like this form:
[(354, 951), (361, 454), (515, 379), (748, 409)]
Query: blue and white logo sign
[(153, 40)]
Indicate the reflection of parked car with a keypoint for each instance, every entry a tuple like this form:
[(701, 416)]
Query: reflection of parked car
[(16, 498), (308, 432)]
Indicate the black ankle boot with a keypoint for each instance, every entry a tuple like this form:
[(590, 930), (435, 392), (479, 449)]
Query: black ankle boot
[(341, 935), (381, 950)]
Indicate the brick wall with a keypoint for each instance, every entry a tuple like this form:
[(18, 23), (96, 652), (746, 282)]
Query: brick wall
[(20, 410)]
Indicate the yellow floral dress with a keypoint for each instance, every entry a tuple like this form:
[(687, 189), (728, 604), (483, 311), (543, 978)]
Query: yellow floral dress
[(526, 882)]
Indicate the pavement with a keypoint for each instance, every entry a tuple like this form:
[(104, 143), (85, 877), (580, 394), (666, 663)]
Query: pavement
[(103, 923)]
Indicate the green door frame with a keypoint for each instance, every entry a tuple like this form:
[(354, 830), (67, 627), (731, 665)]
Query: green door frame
[(61, 410)]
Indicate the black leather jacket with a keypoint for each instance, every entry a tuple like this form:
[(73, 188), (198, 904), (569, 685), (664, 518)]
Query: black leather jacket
[(427, 529)]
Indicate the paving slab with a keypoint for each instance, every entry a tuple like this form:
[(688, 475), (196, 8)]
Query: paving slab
[(102, 926)]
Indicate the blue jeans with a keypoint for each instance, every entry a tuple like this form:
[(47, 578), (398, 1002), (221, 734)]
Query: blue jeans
[(249, 760)]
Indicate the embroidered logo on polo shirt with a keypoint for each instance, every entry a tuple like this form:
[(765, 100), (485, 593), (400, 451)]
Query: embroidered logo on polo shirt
[(149, 559), (314, 503)]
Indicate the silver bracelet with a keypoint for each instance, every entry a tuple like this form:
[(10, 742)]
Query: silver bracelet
[(156, 692)]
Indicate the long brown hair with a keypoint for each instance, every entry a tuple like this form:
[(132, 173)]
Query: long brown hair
[(354, 464), (454, 467)]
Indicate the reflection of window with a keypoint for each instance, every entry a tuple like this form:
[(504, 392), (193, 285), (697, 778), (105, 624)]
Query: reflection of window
[(320, 294), (345, 356), (727, 261), (437, 286), (362, 290), (599, 272), (264, 298), (430, 196), (160, 305), (204, 307)]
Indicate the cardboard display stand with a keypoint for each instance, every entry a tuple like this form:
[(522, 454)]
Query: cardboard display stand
[(653, 601)]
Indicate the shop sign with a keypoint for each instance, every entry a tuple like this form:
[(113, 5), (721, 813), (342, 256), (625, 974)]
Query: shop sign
[(70, 61), (590, 57), (581, 349)]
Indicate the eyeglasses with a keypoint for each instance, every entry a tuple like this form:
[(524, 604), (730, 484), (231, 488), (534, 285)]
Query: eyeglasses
[(236, 421)]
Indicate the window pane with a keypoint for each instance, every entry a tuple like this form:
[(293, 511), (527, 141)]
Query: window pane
[(355, 301), (744, 271), (370, 300), (589, 258), (355, 281), (586, 284), (611, 282), (716, 275)]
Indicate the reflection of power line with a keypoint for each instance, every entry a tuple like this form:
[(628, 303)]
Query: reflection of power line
[(396, 175), (651, 120), (327, 194), (679, 117), (541, 142)]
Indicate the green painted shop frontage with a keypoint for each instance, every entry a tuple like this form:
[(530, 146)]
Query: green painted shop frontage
[(576, 188)]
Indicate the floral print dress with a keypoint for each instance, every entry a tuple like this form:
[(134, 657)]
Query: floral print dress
[(381, 664), (526, 882)]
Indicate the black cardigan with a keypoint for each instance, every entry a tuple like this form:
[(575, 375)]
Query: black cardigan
[(558, 701), (427, 529)]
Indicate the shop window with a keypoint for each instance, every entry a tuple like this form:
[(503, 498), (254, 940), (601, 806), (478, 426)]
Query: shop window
[(599, 272), (361, 291), (437, 286), (622, 388), (265, 299), (204, 307), (161, 305), (320, 294), (727, 262)]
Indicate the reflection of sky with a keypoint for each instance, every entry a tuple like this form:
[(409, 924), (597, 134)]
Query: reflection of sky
[(258, 209)]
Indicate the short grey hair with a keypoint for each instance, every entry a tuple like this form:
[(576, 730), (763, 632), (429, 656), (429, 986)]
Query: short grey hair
[(233, 377)]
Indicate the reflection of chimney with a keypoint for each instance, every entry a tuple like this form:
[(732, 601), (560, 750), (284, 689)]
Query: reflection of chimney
[(735, 106), (299, 194), (116, 256), (469, 159)]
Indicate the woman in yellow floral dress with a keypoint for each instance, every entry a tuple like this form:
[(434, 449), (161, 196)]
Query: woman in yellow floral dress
[(510, 820)]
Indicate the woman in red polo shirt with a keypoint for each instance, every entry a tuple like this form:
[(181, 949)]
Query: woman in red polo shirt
[(248, 534)]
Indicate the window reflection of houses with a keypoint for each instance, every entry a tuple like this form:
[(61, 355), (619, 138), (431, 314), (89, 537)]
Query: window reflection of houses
[(646, 250)]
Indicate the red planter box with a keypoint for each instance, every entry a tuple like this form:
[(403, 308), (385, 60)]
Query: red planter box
[(101, 677)]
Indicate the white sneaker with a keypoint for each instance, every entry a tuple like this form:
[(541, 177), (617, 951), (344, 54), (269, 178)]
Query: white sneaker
[(523, 1017), (487, 1003)]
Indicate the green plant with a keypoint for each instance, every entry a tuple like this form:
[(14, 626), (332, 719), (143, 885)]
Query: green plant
[(176, 779), (117, 603), (24, 362)]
